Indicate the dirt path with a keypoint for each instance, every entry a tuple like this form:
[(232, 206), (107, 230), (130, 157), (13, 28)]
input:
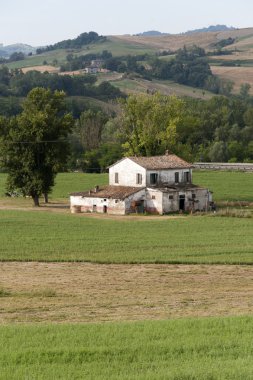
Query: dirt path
[(79, 292), (65, 208)]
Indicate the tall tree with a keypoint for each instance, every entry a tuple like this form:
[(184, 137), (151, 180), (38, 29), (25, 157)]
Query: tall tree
[(91, 126), (149, 123), (34, 144)]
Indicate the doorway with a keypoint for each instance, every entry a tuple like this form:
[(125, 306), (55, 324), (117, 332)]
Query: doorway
[(181, 202), (105, 209)]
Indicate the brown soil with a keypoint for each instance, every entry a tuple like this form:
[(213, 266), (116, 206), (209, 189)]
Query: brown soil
[(81, 292)]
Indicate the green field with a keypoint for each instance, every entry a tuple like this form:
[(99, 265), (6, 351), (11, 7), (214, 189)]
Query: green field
[(116, 46), (47, 236), (226, 185), (186, 349)]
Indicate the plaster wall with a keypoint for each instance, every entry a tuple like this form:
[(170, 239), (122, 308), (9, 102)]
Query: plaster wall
[(127, 174), (167, 177)]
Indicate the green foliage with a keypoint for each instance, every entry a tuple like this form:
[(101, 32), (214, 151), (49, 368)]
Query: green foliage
[(76, 43), (189, 67), (225, 42), (183, 349), (34, 145), (97, 160), (150, 123), (90, 128)]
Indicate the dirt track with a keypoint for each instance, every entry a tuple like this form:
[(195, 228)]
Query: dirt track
[(81, 292)]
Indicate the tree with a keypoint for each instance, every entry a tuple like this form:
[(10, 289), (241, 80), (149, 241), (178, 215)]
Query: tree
[(91, 125), (149, 123), (34, 144)]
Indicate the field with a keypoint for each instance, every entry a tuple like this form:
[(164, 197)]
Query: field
[(130, 86), (83, 292), (105, 297), (47, 236), (226, 185), (238, 75), (178, 349)]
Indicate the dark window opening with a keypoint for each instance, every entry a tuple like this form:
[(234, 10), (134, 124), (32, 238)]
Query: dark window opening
[(116, 178), (187, 177), (193, 196), (171, 197), (153, 178), (176, 177), (153, 196), (138, 179)]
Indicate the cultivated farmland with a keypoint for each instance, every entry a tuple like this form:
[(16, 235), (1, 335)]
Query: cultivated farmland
[(72, 282), (47, 236), (176, 349)]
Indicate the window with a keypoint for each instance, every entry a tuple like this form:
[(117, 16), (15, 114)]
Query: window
[(176, 177), (187, 177), (153, 196), (171, 197), (193, 196), (153, 178), (116, 178), (138, 179)]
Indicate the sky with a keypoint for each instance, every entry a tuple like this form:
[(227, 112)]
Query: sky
[(45, 22)]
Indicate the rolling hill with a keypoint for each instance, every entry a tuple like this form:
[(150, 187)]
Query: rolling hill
[(234, 60)]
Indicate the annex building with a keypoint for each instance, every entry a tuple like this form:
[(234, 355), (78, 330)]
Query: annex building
[(158, 185)]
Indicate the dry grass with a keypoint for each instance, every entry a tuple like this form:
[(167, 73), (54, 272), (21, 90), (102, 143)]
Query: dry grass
[(238, 75), (204, 40), (78, 292), (42, 69)]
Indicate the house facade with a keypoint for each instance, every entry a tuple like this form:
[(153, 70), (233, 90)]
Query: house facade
[(159, 185)]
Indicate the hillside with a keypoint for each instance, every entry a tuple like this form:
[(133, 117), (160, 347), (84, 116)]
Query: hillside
[(232, 57), (6, 51)]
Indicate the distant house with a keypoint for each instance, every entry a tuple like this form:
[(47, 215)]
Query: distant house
[(159, 185), (97, 62), (91, 70)]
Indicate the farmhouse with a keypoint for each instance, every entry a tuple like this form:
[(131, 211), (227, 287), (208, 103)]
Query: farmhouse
[(159, 185)]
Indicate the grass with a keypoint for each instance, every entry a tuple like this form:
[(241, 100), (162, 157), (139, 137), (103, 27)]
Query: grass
[(193, 349), (66, 183), (165, 87), (45, 236), (116, 46), (226, 185), (32, 292)]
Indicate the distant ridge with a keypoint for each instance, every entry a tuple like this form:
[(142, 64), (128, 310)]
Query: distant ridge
[(151, 33), (6, 51), (211, 28)]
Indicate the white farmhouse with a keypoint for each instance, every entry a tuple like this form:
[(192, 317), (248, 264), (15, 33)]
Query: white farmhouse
[(159, 185)]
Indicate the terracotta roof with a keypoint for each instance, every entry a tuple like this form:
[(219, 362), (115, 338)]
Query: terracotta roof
[(114, 192), (169, 161)]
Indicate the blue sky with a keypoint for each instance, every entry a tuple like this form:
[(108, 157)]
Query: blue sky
[(47, 21)]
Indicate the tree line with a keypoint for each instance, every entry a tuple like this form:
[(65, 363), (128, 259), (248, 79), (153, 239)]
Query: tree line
[(44, 138), (75, 43)]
